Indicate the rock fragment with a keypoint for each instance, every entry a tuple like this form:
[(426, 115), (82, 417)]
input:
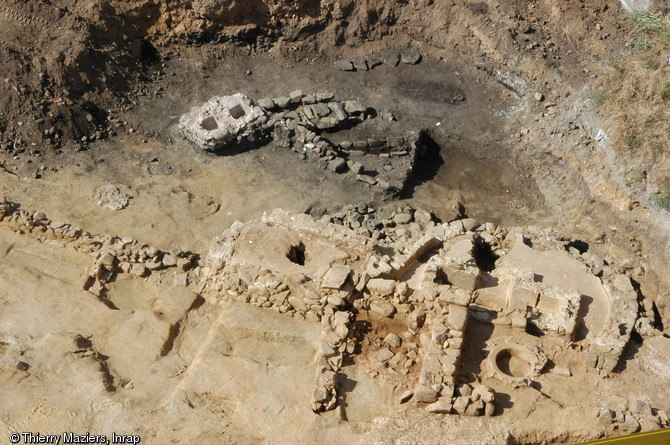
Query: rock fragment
[(391, 57), (110, 197), (410, 56), (344, 65)]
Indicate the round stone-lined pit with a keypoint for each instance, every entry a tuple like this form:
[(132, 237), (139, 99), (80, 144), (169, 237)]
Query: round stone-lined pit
[(513, 361)]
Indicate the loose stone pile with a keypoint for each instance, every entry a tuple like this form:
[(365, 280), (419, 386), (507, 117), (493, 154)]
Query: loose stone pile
[(630, 418), (298, 122), (390, 57)]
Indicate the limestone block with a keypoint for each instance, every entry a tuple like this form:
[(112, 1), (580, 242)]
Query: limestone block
[(336, 276), (521, 298), (458, 317), (425, 394), (219, 121), (462, 276)]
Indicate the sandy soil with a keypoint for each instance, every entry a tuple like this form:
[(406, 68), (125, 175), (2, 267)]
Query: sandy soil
[(173, 366)]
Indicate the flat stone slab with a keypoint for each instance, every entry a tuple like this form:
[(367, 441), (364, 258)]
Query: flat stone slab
[(336, 276)]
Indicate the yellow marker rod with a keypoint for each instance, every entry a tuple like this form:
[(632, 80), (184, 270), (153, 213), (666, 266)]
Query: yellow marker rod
[(661, 437)]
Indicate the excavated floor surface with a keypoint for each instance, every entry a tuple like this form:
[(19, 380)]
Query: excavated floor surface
[(133, 371)]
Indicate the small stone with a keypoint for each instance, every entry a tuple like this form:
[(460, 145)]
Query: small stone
[(152, 251), (298, 304), (461, 404), (181, 280), (367, 179), (282, 102), (564, 372), (324, 96), (107, 260), (458, 317), (309, 99), (336, 276), (641, 407), (489, 409), (391, 58), (462, 277), (416, 319), (110, 197), (344, 65), (381, 286), (539, 97), (425, 394), (475, 408), (470, 224), (384, 355), (336, 301), (406, 396), (629, 425), (383, 308), (296, 96), (649, 423), (410, 56), (139, 270), (361, 64), (422, 216), (337, 165), (403, 218), (266, 103), (484, 393), (442, 406), (605, 417), (184, 264), (169, 261), (153, 265), (464, 390), (393, 340), (591, 360)]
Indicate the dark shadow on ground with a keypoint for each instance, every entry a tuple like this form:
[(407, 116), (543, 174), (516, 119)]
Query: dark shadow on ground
[(426, 167)]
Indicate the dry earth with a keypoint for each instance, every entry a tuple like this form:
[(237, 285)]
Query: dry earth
[(92, 93)]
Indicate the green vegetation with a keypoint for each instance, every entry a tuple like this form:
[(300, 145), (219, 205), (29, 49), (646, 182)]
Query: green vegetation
[(663, 200), (637, 85), (650, 20)]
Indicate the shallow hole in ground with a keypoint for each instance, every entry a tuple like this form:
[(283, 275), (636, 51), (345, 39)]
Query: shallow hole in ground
[(296, 254), (513, 364), (485, 257)]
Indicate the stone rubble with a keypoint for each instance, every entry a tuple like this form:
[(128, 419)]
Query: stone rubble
[(220, 121), (408, 56), (110, 197), (112, 254), (299, 122), (630, 418), (403, 265), (375, 265)]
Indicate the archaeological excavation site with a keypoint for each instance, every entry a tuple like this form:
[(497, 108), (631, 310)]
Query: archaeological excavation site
[(334, 222)]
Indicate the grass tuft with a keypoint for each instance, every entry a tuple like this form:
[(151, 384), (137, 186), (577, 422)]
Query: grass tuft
[(663, 200), (637, 86)]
